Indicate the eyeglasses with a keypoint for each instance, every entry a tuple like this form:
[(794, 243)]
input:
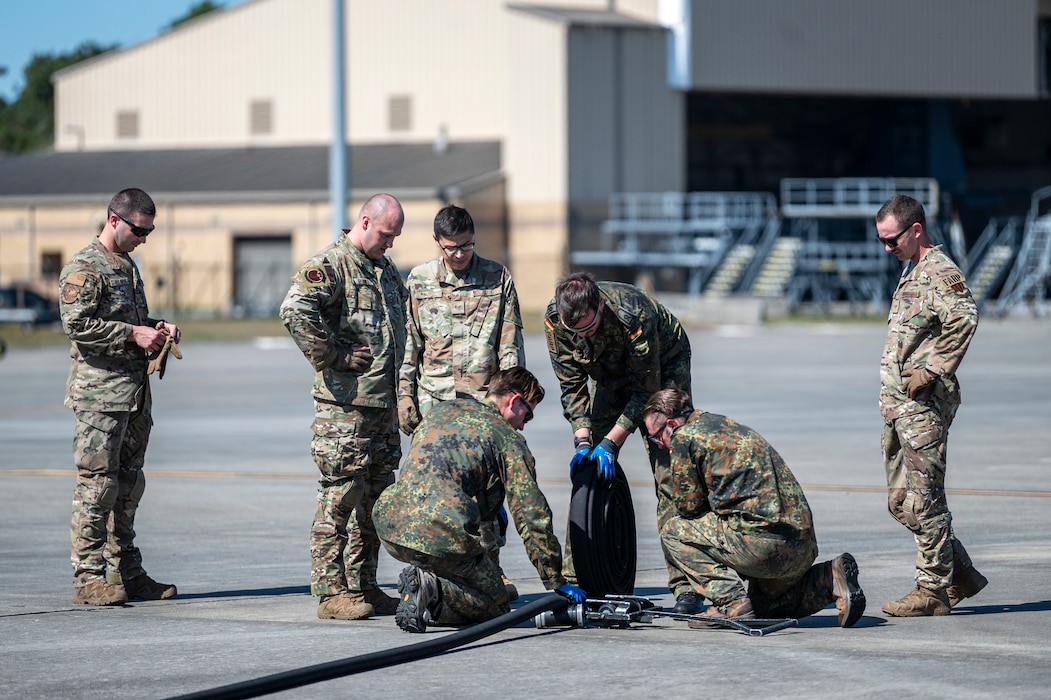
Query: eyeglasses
[(655, 436), (581, 330), (892, 242), (451, 249), (529, 411), (137, 230)]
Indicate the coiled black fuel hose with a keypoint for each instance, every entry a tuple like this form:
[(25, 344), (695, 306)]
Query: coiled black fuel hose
[(602, 531)]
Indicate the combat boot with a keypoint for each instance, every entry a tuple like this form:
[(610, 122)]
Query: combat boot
[(100, 592), (737, 609), (688, 603), (965, 584), (850, 599), (421, 594), (921, 602), (382, 603), (509, 586), (343, 607), (145, 588)]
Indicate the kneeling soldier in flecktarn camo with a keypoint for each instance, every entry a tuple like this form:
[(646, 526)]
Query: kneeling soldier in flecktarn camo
[(741, 513), (466, 455)]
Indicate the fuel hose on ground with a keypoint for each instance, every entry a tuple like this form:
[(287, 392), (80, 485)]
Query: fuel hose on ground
[(378, 659), (602, 531)]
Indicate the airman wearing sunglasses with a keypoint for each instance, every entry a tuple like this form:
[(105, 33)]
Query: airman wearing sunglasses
[(104, 313), (612, 346), (932, 320)]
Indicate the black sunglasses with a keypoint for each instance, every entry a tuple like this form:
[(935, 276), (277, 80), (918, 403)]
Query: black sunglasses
[(529, 411), (892, 242), (137, 230)]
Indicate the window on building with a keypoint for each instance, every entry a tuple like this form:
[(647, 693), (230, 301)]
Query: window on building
[(128, 124), (399, 113), (1045, 58), (260, 117), (50, 264)]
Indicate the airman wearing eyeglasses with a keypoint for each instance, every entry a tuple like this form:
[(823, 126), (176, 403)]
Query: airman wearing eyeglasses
[(932, 320), (611, 346), (105, 314), (466, 457), (464, 324), (741, 514)]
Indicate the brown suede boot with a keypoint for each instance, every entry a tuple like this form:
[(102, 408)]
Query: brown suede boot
[(965, 584), (382, 603), (100, 592), (738, 609), (343, 607), (921, 602), (509, 586)]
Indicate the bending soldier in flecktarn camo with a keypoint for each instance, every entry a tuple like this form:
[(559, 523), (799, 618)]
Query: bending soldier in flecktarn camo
[(464, 325), (932, 320), (741, 513), (466, 456), (346, 312), (629, 346), (104, 313)]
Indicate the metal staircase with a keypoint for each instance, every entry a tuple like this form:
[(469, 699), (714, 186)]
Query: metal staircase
[(1027, 283), (729, 273), (778, 269), (993, 251)]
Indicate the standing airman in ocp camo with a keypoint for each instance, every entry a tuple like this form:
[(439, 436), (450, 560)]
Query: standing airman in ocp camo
[(932, 320), (346, 312), (464, 325), (630, 346)]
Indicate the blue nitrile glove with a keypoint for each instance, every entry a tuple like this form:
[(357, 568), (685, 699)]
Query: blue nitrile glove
[(577, 595), (583, 446), (502, 515), (606, 454)]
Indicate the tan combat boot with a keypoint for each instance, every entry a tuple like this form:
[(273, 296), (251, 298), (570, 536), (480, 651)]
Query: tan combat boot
[(145, 588), (738, 609), (100, 592), (382, 603), (509, 586), (343, 607), (921, 602), (965, 584)]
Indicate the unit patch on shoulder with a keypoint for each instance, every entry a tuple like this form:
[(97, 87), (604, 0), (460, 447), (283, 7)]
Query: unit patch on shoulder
[(315, 275), (72, 286), (550, 336), (954, 281)]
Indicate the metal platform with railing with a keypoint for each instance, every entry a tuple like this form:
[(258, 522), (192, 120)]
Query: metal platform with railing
[(1027, 283)]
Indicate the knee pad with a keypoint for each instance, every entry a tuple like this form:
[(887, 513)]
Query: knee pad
[(107, 490), (355, 490)]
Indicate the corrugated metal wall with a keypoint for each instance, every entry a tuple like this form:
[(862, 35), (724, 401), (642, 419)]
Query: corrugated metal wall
[(928, 48)]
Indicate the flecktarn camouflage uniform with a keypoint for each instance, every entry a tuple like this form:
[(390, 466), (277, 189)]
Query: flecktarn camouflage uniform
[(638, 349), (464, 459), (339, 300), (101, 297), (740, 509), (932, 320)]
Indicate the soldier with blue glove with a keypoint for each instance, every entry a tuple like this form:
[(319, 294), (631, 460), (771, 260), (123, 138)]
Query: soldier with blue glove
[(612, 346)]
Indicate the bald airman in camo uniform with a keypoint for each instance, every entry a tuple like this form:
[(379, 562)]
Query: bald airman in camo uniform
[(629, 346), (740, 513), (346, 312), (932, 320), (466, 456), (104, 313), (464, 324)]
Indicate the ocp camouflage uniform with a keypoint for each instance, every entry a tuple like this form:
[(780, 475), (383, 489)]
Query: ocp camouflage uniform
[(740, 509), (102, 297), (341, 299), (638, 349), (462, 329), (932, 320), (465, 457)]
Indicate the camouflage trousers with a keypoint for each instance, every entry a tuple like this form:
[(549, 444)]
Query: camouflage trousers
[(356, 449), (472, 590), (914, 448), (606, 408), (108, 449), (716, 555)]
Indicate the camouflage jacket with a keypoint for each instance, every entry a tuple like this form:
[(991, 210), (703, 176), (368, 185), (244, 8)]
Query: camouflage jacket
[(460, 330), (341, 299), (101, 297), (464, 458), (932, 320), (721, 466), (636, 339)]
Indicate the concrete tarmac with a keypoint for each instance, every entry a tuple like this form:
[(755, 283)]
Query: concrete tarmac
[(231, 495)]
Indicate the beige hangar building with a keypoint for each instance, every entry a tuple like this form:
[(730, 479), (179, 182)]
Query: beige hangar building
[(530, 114)]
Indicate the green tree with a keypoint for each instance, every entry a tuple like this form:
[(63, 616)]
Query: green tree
[(201, 8), (29, 122)]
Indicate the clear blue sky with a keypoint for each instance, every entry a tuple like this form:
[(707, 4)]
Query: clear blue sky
[(29, 27)]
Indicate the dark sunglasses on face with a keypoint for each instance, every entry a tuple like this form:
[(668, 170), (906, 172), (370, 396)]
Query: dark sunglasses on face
[(892, 242), (137, 230)]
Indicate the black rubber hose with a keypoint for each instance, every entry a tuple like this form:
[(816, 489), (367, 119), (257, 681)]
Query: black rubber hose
[(602, 532), (378, 659)]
